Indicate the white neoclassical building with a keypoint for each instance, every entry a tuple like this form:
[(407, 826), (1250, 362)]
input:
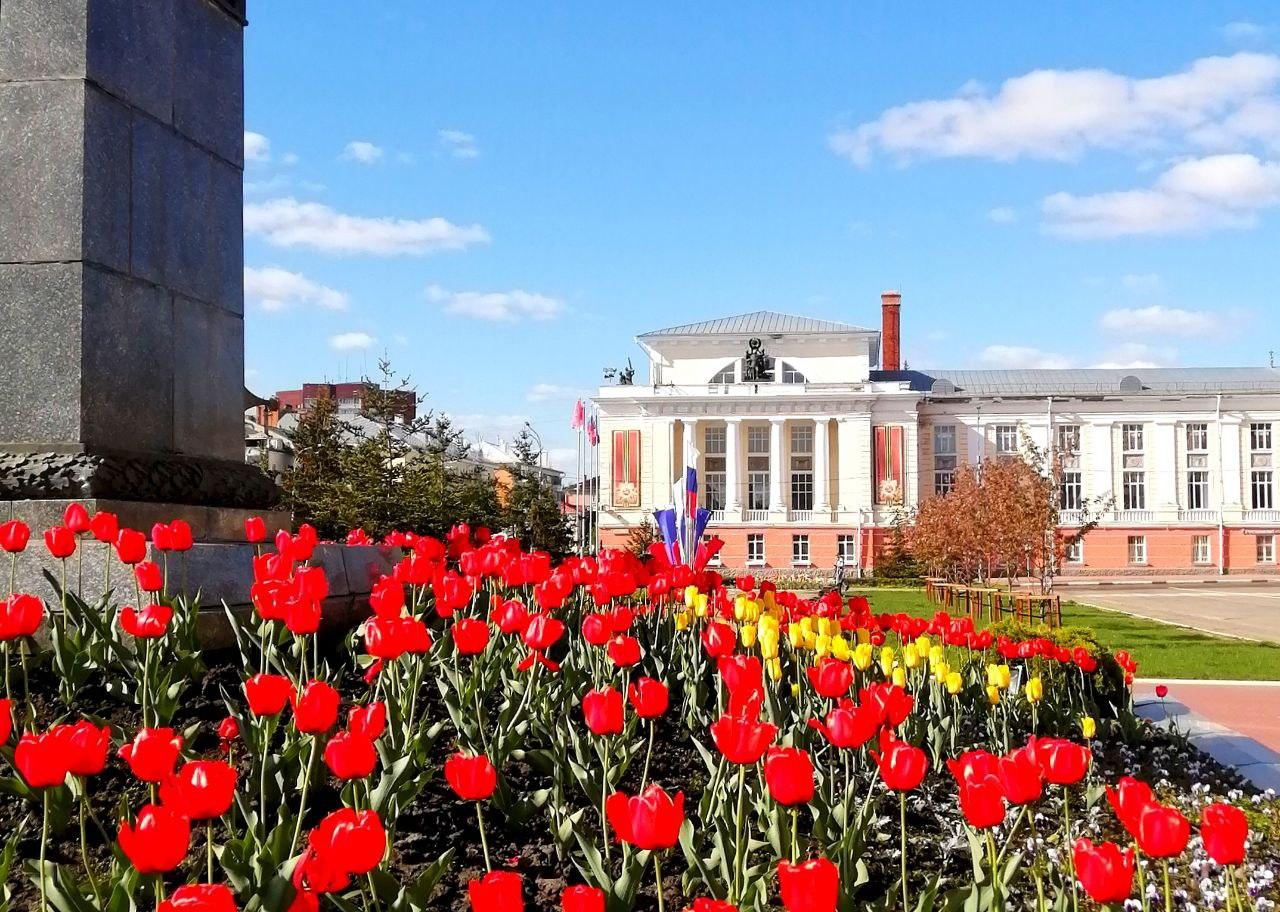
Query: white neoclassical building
[(810, 439)]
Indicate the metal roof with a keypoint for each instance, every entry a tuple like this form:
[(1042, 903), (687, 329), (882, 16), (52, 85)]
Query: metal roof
[(1167, 381), (762, 323)]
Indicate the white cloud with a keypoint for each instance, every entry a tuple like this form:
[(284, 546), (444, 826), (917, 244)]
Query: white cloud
[(1022, 356), (458, 144), (351, 341), (257, 148), (497, 306), (551, 392), (1244, 32), (289, 159), (1159, 320), (1002, 215), (1136, 356), (1058, 114), (1199, 194), (366, 153), (1141, 283), (275, 289), (286, 222)]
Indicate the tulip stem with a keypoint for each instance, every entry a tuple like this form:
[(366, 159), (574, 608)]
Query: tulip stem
[(44, 845), (604, 794), (996, 902), (84, 842), (209, 849), (306, 785), (795, 817), (644, 778), (902, 827), (1142, 877), (1066, 847), (146, 677), (657, 876), (739, 855), (484, 843), (1168, 894)]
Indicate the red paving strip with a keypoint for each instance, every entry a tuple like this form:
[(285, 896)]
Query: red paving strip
[(1252, 710)]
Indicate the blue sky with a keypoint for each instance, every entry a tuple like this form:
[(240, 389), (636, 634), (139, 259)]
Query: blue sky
[(501, 196)]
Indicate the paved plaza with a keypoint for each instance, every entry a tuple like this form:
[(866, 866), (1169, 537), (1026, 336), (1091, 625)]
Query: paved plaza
[(1249, 610)]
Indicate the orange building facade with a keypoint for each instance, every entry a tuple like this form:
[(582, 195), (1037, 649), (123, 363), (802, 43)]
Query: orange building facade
[(810, 442)]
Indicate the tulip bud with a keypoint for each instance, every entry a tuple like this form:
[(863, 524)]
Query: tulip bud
[(954, 682), (900, 677), (1088, 727), (1035, 690), (993, 695)]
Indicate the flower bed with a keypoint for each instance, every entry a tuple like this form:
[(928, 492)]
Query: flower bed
[(508, 733)]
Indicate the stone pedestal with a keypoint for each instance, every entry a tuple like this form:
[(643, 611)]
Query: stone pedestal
[(121, 253)]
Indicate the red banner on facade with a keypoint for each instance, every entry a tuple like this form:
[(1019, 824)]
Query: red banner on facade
[(889, 473), (626, 469)]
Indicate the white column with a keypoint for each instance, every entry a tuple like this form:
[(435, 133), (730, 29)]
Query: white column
[(1164, 466), (1099, 457), (821, 470), (776, 503), (732, 468), (688, 444), (1233, 500)]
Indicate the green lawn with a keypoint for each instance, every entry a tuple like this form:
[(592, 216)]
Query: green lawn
[(1161, 650)]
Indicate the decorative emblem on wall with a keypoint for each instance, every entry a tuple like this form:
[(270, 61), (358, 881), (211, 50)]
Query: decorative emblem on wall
[(889, 472), (626, 469)]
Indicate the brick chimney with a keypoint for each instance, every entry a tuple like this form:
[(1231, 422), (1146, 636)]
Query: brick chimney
[(890, 332)]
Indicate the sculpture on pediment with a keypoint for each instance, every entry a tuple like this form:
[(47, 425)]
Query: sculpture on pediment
[(625, 376), (757, 367)]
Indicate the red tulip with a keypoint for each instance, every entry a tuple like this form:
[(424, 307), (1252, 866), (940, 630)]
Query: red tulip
[(470, 635), (1162, 691), (1104, 871), (542, 632), (649, 698), (743, 677), (201, 789), (1062, 762), (742, 740), (1162, 831), (157, 841), (60, 541), (511, 616), (350, 756), (650, 820), (105, 527), (180, 537), (831, 678), (14, 536), (199, 898), (603, 711), (315, 710), (582, 899), (255, 530), (148, 623), (20, 616), (973, 765), (87, 747), (472, 778), (624, 651), (152, 753), (76, 518), (131, 546), (812, 886), (356, 839), (705, 904), (1128, 800), (149, 576), (597, 628), (788, 772), (902, 766), (41, 759), (369, 720), (228, 731), (497, 891), (267, 694), (718, 639), (1020, 777), (849, 726), (982, 801), (892, 702), (6, 720), (1224, 829), (162, 537)]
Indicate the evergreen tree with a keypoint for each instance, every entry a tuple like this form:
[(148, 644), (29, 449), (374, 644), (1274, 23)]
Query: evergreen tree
[(311, 485), (533, 513)]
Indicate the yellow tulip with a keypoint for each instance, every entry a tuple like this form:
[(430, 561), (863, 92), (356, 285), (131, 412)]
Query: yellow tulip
[(864, 635), (998, 676), (795, 690), (822, 646), (690, 593), (863, 656), (1035, 690), (700, 605), (826, 626), (911, 656), (1088, 727), (774, 667), (993, 694), (840, 648), (954, 682), (740, 607), (795, 633), (900, 677), (923, 644), (886, 660), (747, 634), (683, 620)]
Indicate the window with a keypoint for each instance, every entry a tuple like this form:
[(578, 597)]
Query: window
[(1197, 466), (800, 550), (713, 465), (1262, 467), (1135, 490), (1075, 551), (1266, 545), (1067, 445), (1072, 494), (1006, 439), (944, 458), (846, 548), (1200, 553), (727, 374), (758, 468), (1197, 438), (791, 375), (802, 467), (755, 548), (715, 558), (1131, 437), (1137, 549)]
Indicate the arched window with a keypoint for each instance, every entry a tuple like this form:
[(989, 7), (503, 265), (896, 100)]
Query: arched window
[(791, 375), (727, 374)]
